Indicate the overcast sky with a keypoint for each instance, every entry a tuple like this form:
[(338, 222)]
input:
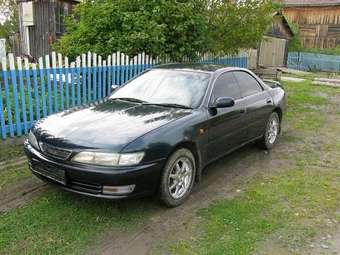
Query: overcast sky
[(3, 12)]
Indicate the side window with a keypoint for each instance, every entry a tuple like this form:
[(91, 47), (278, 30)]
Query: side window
[(248, 84), (226, 86)]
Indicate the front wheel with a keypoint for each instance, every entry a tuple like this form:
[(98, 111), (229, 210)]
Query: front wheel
[(178, 178), (272, 132)]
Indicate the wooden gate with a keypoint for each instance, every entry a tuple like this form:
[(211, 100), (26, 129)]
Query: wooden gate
[(273, 52)]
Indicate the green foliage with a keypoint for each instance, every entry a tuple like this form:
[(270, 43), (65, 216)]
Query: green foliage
[(295, 44), (174, 28), (232, 26), (156, 27), (9, 24)]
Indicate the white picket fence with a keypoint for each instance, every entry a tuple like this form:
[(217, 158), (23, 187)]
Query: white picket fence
[(31, 91)]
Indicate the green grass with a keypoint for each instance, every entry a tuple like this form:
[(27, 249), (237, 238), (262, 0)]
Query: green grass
[(10, 150), (280, 207), (60, 223), (270, 204), (13, 175)]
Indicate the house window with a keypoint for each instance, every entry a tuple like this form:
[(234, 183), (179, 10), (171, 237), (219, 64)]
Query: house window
[(61, 10)]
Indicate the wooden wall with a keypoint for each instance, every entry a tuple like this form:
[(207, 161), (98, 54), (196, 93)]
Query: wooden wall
[(319, 26), (43, 33)]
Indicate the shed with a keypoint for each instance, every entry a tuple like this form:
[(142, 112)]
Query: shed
[(318, 20), (41, 22), (273, 49)]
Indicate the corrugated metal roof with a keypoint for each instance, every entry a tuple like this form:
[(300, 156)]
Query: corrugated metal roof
[(302, 3)]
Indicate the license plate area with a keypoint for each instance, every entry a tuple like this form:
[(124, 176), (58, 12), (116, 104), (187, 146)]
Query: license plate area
[(53, 173)]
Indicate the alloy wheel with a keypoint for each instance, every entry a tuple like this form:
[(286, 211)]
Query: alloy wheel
[(273, 130), (180, 177)]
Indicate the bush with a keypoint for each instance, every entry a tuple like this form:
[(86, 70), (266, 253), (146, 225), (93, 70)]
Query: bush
[(173, 28)]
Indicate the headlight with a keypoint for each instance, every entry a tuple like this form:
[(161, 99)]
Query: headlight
[(108, 159), (33, 140), (128, 159)]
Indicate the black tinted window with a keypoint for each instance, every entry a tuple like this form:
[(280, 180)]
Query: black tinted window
[(248, 84), (226, 86)]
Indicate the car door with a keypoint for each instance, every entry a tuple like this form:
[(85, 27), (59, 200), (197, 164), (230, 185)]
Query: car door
[(226, 125), (259, 103)]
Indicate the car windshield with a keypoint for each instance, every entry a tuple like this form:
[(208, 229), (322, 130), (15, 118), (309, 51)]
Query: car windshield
[(166, 87)]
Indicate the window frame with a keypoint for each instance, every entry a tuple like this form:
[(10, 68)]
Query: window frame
[(211, 98), (257, 81)]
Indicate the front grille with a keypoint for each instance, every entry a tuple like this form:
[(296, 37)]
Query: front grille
[(50, 172), (55, 151), (85, 187)]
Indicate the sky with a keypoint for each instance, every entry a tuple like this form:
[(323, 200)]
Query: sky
[(3, 14)]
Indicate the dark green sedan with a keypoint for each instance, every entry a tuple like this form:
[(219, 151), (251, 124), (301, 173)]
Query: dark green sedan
[(155, 134)]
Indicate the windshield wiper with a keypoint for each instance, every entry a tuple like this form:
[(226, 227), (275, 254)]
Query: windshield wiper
[(170, 105), (131, 99)]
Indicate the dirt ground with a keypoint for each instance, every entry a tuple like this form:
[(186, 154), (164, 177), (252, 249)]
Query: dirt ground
[(223, 179)]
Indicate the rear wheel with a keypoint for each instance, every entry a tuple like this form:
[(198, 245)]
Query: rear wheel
[(178, 178), (272, 132)]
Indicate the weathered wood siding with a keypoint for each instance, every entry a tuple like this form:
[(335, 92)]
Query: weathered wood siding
[(43, 32), (279, 28), (319, 26), (36, 40), (273, 52)]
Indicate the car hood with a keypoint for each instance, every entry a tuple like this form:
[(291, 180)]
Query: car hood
[(109, 125)]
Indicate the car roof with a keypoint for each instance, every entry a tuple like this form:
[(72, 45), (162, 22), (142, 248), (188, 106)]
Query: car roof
[(208, 68)]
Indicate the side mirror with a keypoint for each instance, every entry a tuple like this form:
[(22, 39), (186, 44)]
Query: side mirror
[(114, 87), (224, 102)]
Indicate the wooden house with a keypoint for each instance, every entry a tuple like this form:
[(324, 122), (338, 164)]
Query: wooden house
[(318, 20), (41, 22)]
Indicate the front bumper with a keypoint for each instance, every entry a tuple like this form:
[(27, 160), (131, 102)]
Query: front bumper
[(89, 180)]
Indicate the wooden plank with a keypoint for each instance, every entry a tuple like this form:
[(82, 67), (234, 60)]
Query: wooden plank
[(29, 91), (67, 82), (114, 69), (15, 94), (2, 110), (99, 86), (127, 68), (135, 66), (22, 94), (122, 64), (104, 79), (78, 63), (55, 86), (89, 75), (118, 73), (83, 73), (139, 63), (94, 76), (61, 81), (49, 85), (36, 92), (109, 73), (73, 92)]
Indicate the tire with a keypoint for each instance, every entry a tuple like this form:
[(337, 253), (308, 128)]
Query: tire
[(179, 171), (272, 132)]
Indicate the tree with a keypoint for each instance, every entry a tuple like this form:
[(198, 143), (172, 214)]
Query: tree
[(131, 26), (236, 26), (174, 28), (8, 19), (295, 43)]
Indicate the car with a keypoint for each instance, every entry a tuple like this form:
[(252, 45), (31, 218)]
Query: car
[(156, 133)]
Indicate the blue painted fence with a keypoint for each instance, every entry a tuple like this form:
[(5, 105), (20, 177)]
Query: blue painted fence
[(313, 62), (30, 92)]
